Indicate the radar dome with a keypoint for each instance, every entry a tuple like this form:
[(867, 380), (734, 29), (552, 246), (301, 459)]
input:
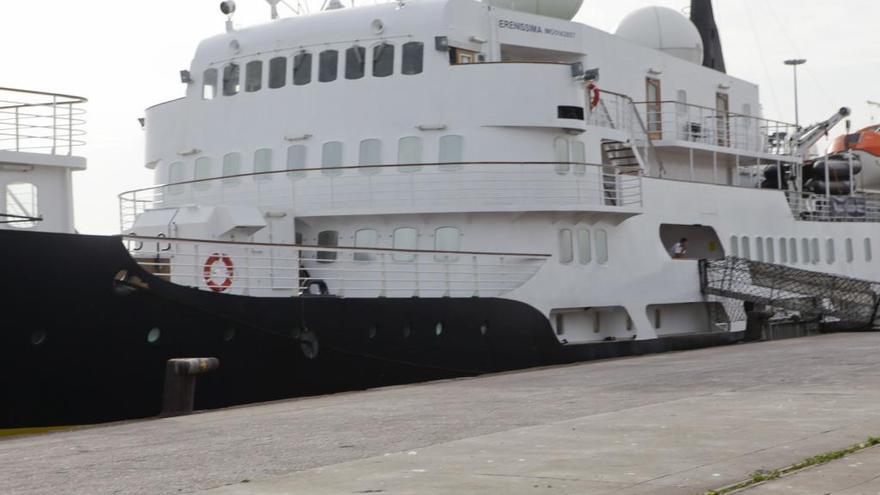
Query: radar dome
[(560, 9), (663, 29)]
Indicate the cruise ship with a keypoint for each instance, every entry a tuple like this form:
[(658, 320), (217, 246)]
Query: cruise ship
[(412, 190)]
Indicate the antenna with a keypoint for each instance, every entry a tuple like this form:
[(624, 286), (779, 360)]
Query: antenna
[(274, 6)]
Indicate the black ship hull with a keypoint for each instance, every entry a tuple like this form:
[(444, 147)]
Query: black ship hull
[(86, 334)]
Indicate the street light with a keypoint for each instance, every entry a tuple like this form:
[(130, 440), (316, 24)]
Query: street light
[(794, 64)]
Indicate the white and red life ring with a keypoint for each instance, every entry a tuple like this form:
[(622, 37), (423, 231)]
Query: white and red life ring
[(211, 276), (595, 95)]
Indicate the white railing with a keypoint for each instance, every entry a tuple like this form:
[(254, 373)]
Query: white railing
[(618, 111), (858, 207), (283, 270), (36, 122), (475, 186)]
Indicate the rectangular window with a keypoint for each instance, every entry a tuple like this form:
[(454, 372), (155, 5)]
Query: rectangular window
[(328, 238), (328, 65), (830, 255), (176, 173), (331, 157), (202, 171), (759, 248), (296, 160), (366, 238), (22, 199), (253, 78), (278, 72), (383, 60), (793, 250), (805, 251), (231, 167), (566, 249), (413, 54), (814, 248), (447, 239), (561, 155), (410, 152), (302, 69), (746, 248), (405, 238), (262, 164), (231, 79), (734, 246), (579, 157), (355, 62), (585, 251), (771, 252), (451, 151), (601, 246), (850, 251), (370, 153), (783, 250), (869, 255), (209, 84)]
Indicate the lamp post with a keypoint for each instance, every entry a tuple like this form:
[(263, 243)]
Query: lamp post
[(794, 64)]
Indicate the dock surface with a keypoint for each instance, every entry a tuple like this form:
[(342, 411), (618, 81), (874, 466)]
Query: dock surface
[(677, 424)]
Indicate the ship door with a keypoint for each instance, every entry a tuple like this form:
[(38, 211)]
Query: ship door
[(460, 56), (722, 110), (654, 109)]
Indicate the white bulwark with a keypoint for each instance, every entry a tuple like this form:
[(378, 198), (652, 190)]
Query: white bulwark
[(456, 148)]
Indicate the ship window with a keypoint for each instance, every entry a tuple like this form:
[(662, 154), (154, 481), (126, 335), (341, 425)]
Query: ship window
[(579, 157), (231, 166), (278, 72), (209, 84), (830, 256), (793, 250), (202, 172), (302, 69), (383, 60), (601, 246), (253, 77), (231, 79), (355, 61), (850, 251), (746, 248), (370, 153), (296, 160), (759, 248), (413, 54), (328, 65), (405, 238), (561, 155), (262, 164), (451, 151), (331, 157), (566, 250), (585, 252), (771, 252), (814, 248), (868, 254), (22, 199), (783, 251), (734, 246), (447, 239), (805, 251), (328, 238), (176, 173), (409, 152), (366, 238)]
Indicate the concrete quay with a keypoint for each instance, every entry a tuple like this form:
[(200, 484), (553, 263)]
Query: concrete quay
[(677, 423)]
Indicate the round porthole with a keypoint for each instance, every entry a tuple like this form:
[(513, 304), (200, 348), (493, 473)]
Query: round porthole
[(228, 335), (372, 332), (153, 335), (484, 328), (438, 329), (38, 337), (407, 331)]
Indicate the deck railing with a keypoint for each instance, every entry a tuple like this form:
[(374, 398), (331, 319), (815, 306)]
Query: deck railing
[(859, 207), (473, 186), (37, 122), (283, 270)]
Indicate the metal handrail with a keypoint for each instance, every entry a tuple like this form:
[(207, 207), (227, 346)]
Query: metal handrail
[(641, 123), (38, 121)]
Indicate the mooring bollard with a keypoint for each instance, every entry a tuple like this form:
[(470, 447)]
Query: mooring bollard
[(180, 383)]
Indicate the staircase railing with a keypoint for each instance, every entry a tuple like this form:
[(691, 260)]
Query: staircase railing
[(619, 111)]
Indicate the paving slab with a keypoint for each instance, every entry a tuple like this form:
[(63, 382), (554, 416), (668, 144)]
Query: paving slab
[(858, 474), (677, 423)]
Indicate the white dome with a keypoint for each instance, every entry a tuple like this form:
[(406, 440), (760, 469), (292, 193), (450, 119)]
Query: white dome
[(561, 9), (663, 29)]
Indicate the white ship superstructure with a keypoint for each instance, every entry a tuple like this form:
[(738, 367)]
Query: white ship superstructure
[(456, 148)]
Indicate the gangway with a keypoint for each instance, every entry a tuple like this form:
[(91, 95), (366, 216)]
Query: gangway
[(847, 301)]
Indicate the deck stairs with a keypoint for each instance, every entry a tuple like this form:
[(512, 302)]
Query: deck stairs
[(842, 300), (623, 157)]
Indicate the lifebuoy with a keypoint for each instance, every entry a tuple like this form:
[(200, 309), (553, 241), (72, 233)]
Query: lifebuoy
[(595, 95), (208, 272)]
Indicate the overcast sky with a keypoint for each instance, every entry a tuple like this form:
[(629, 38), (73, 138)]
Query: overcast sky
[(125, 56)]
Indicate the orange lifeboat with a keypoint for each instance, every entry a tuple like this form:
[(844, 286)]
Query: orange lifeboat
[(866, 140)]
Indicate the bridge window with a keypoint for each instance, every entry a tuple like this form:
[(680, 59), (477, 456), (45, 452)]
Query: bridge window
[(830, 256), (561, 155), (566, 250), (22, 199), (868, 254), (746, 248), (814, 250), (601, 246), (355, 62), (331, 157), (585, 251), (451, 151), (262, 164), (383, 60), (231, 166), (328, 238), (793, 250), (328, 65), (734, 246), (405, 238), (278, 72), (579, 157), (203, 171), (176, 173), (447, 239), (759, 248), (231, 79), (253, 76), (302, 69), (413, 55), (296, 160), (366, 238), (410, 152), (370, 154), (783, 250), (209, 84), (771, 252)]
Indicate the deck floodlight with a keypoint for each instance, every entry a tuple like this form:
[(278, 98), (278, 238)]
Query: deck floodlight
[(441, 43), (185, 77), (227, 7), (577, 69)]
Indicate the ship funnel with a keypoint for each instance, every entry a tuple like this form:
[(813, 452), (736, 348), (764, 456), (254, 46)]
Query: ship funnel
[(703, 17), (560, 9)]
